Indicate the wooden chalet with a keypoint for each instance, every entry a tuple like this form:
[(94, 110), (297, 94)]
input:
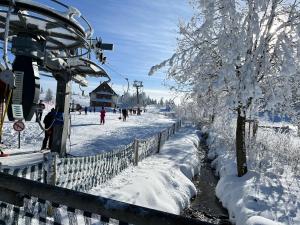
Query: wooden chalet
[(103, 95)]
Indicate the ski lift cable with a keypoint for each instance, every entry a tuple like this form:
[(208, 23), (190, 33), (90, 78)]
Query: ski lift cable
[(114, 70), (121, 75)]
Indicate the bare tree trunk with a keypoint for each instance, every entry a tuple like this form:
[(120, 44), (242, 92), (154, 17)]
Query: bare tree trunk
[(240, 144)]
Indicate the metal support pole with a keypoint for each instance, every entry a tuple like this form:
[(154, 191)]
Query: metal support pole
[(61, 125), (19, 140), (137, 85)]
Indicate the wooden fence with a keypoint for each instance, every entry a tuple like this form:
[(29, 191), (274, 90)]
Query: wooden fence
[(84, 173), (31, 202), (79, 174)]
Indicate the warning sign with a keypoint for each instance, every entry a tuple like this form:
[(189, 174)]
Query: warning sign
[(19, 126)]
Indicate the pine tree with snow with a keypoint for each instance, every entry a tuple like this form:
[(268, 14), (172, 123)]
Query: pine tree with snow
[(49, 95)]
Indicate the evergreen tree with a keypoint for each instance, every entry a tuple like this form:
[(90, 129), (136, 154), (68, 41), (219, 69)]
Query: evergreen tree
[(49, 95)]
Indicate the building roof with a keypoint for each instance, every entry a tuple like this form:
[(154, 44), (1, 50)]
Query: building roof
[(104, 88)]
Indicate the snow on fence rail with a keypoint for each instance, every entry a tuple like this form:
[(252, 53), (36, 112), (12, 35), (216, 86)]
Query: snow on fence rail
[(33, 172)]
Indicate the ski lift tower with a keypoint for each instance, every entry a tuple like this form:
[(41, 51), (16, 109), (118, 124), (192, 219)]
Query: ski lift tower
[(31, 31), (40, 36), (77, 69), (138, 85)]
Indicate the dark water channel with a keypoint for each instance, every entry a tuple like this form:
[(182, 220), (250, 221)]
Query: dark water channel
[(205, 206)]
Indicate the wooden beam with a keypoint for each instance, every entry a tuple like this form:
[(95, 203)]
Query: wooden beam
[(109, 208), (11, 197)]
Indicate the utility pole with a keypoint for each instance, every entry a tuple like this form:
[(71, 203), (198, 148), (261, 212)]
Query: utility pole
[(137, 85)]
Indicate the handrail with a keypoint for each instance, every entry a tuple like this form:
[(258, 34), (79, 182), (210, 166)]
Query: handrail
[(94, 204)]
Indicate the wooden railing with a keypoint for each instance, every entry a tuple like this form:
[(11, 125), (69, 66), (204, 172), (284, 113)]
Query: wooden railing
[(26, 201)]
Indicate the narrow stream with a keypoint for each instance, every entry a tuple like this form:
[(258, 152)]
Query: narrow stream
[(205, 206)]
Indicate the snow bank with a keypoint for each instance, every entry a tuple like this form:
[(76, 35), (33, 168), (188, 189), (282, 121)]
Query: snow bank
[(268, 194), (162, 181)]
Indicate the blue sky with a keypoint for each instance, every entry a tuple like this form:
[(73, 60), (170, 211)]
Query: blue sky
[(143, 33)]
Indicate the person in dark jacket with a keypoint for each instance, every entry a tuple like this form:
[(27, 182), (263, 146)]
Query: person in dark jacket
[(39, 109), (125, 114), (48, 121)]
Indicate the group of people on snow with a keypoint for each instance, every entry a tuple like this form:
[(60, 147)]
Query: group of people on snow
[(50, 118)]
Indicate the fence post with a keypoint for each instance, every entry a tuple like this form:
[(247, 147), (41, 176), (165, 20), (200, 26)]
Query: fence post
[(159, 141), (50, 167), (255, 128), (136, 152), (168, 132)]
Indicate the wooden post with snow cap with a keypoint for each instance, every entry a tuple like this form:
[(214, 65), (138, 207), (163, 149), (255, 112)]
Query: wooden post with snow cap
[(136, 152)]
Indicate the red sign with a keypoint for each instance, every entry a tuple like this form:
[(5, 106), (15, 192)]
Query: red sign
[(19, 126)]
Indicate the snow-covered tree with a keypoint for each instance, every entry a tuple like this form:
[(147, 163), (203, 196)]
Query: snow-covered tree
[(130, 100), (239, 56), (161, 101), (49, 95)]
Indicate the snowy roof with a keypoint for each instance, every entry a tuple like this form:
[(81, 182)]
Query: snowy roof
[(104, 88)]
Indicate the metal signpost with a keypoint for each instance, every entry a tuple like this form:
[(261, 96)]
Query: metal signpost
[(19, 126)]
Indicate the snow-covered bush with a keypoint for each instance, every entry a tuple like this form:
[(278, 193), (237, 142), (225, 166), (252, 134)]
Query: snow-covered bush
[(270, 188), (275, 151)]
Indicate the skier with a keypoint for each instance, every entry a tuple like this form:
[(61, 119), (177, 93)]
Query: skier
[(48, 121), (85, 110), (102, 115)]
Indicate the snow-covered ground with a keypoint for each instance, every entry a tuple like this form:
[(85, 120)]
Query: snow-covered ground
[(90, 138), (269, 193), (87, 137), (161, 181)]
